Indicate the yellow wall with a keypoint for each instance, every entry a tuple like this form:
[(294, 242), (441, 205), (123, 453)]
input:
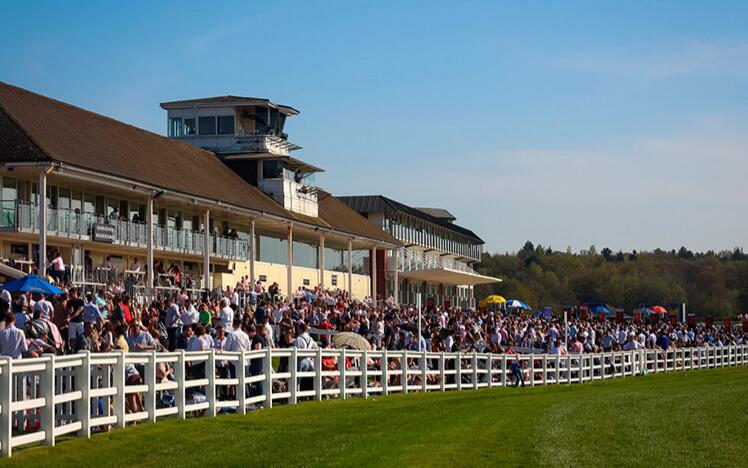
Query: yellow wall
[(275, 272)]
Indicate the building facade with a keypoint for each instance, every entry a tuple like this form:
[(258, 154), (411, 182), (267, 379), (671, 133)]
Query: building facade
[(436, 259), (226, 202)]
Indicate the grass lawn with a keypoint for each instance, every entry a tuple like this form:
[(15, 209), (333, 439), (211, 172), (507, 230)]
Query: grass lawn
[(697, 418)]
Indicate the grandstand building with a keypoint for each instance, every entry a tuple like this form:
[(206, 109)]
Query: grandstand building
[(437, 256), (111, 197)]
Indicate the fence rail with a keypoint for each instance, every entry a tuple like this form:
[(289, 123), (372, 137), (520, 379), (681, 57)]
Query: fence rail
[(44, 398)]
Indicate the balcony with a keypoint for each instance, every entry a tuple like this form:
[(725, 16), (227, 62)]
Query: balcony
[(421, 266), (265, 143), (20, 216)]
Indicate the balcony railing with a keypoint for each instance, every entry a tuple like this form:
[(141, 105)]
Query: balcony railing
[(22, 216), (265, 142), (416, 260)]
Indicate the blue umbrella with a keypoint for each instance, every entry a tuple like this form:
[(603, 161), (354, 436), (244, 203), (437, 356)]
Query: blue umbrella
[(31, 283), (598, 309), (514, 303)]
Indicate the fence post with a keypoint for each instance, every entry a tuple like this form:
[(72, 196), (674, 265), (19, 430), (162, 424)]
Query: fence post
[(544, 362), (118, 374), (490, 370), (424, 373), (341, 370), (241, 387), (293, 381), (210, 373), (557, 380), (150, 379), (442, 372), (503, 370), (458, 371), (474, 363), (6, 399), (180, 396), (47, 385), (83, 377), (267, 366), (318, 375), (404, 371), (364, 366), (383, 365)]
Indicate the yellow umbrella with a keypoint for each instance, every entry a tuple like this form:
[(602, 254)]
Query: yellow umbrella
[(495, 300)]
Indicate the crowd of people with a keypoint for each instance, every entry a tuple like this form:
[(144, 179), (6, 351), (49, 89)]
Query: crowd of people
[(249, 316)]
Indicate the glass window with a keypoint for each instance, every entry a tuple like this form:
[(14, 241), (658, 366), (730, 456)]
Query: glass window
[(189, 127), (175, 127), (63, 199), (271, 249), (207, 125), (9, 189), (225, 124), (360, 262), (336, 260), (76, 202), (305, 255), (89, 203)]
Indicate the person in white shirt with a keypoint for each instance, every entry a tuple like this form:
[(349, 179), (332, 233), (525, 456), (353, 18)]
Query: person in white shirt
[(236, 341), (226, 314), (45, 306), (12, 340), (189, 314)]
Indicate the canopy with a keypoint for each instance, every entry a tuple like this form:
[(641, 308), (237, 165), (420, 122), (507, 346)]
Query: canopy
[(495, 300), (31, 283), (514, 303)]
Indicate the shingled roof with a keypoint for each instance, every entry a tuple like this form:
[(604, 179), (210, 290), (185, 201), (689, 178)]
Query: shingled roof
[(380, 203), (35, 128)]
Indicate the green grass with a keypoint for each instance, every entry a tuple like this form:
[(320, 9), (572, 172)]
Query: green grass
[(697, 418)]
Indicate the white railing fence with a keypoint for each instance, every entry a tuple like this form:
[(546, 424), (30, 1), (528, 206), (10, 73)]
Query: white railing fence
[(44, 398)]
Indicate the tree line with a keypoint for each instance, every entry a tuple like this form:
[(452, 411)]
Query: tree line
[(710, 283)]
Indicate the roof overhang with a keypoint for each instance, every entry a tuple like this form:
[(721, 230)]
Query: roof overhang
[(291, 161), (448, 276)]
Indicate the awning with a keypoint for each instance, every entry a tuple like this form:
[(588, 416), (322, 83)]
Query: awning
[(10, 272), (447, 276)]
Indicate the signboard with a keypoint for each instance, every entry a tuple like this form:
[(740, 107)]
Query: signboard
[(263, 278), (673, 320), (547, 313), (709, 322), (334, 280), (691, 320), (727, 324), (745, 325), (305, 282), (619, 315), (637, 315), (104, 233), (601, 317)]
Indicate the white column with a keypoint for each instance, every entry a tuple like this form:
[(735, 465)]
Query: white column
[(252, 253), (289, 267), (396, 279), (149, 242), (42, 224), (322, 261), (206, 250), (350, 268), (374, 276)]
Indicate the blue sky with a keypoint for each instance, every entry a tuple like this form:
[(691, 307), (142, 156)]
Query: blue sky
[(620, 124)]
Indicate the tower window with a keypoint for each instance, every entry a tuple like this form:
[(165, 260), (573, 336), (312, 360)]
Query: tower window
[(225, 124), (206, 125), (175, 127)]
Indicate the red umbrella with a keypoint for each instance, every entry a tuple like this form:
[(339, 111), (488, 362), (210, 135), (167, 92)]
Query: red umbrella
[(658, 309)]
